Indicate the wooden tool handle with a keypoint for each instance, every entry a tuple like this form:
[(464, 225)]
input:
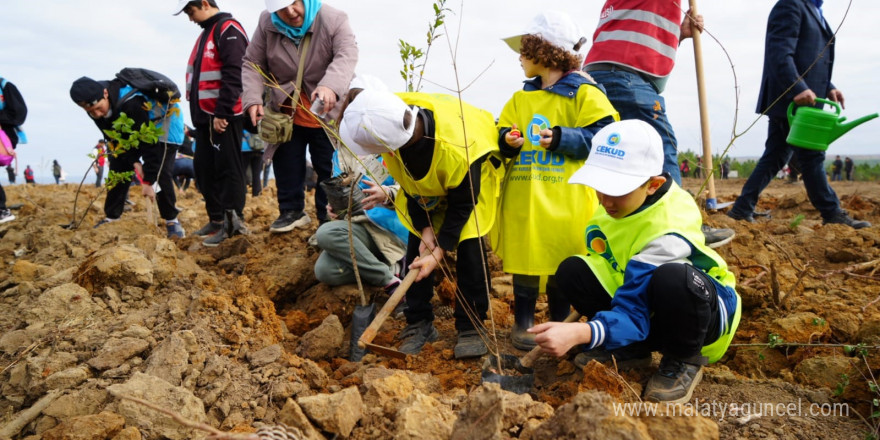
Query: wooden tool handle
[(370, 333), (532, 356)]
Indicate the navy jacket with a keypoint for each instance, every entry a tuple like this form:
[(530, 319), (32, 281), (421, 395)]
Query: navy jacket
[(796, 36)]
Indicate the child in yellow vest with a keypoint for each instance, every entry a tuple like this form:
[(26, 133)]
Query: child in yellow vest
[(442, 153), (547, 130), (648, 281)]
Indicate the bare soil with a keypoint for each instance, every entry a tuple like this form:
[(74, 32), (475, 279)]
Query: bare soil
[(808, 290)]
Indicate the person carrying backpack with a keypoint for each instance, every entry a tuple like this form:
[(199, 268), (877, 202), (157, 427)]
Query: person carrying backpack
[(28, 177), (105, 101), (13, 112)]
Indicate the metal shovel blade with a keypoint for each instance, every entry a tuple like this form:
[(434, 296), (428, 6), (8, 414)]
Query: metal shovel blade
[(386, 351), (524, 379), (519, 384), (360, 319)]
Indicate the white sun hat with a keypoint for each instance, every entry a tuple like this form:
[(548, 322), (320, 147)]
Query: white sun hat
[(275, 5), (373, 122), (558, 28), (624, 156)]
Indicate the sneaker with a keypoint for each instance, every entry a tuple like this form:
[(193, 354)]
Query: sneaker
[(470, 344), (737, 216), (629, 357), (216, 239), (230, 227), (844, 219), (399, 267), (104, 221), (175, 230), (209, 229), (6, 216), (289, 220), (392, 286), (674, 382), (415, 336), (717, 237)]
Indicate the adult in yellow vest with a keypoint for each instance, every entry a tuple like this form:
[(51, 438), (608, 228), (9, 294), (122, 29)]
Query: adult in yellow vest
[(559, 111), (442, 153), (648, 281)]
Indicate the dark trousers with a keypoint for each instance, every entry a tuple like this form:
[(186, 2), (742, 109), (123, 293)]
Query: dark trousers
[(253, 167), (472, 282), (684, 314), (526, 288), (266, 168), (158, 160), (2, 198), (184, 172), (218, 169), (289, 162), (776, 153)]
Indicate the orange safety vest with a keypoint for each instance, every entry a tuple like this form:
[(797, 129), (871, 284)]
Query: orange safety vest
[(640, 34), (209, 73)]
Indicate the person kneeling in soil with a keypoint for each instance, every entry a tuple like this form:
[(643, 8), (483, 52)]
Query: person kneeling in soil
[(648, 281), (421, 138)]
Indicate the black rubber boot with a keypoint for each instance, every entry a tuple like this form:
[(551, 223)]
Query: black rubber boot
[(524, 299), (558, 306)]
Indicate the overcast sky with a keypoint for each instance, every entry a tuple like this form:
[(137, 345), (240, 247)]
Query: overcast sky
[(48, 44)]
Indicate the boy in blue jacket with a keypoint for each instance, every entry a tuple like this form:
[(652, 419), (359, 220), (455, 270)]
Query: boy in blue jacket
[(648, 281)]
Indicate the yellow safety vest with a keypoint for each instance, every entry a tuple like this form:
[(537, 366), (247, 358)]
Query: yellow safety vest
[(542, 217), (459, 142), (613, 242)]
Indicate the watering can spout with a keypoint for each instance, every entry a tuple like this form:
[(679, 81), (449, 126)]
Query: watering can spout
[(814, 128), (841, 128)]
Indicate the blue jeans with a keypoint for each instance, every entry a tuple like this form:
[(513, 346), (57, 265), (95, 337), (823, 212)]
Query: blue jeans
[(290, 169), (635, 98), (777, 152)]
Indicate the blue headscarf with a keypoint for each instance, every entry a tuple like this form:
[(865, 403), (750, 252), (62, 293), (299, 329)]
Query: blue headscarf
[(297, 33)]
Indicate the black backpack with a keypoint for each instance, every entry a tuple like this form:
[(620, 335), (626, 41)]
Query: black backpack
[(151, 83)]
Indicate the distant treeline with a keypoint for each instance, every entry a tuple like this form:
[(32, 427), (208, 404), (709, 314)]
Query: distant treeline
[(864, 169)]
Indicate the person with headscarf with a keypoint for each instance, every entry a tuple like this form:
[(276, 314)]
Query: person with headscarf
[(285, 29)]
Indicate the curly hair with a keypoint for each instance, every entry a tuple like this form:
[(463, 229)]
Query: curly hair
[(540, 51)]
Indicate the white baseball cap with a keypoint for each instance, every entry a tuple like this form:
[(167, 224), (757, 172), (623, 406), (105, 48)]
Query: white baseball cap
[(275, 5), (373, 122), (180, 5), (624, 156), (558, 28)]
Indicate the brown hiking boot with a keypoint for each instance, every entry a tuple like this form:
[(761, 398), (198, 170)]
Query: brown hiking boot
[(674, 381)]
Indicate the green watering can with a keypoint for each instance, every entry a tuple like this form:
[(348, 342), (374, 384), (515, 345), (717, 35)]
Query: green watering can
[(814, 128)]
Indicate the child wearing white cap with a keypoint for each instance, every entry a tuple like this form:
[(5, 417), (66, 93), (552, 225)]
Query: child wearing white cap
[(546, 129), (442, 153), (648, 282)]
